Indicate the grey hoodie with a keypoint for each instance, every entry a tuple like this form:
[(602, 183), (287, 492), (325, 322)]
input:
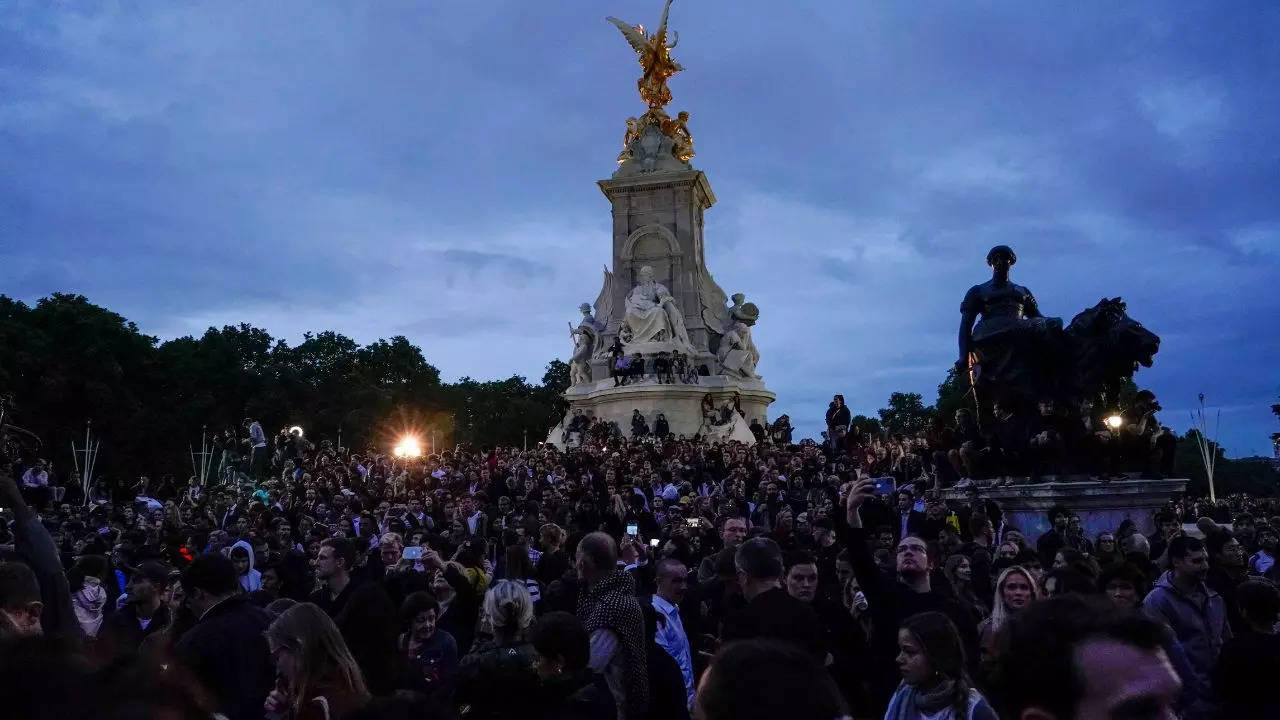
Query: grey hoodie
[(1201, 628)]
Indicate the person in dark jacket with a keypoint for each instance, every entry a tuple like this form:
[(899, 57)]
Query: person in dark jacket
[(143, 615), (668, 699), (505, 662), (459, 604), (567, 688), (770, 612), (429, 655), (1198, 617), (891, 602), (32, 541), (226, 650), (554, 561), (368, 625), (837, 415), (1250, 661)]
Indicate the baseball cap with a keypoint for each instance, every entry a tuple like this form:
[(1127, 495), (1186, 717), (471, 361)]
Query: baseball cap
[(154, 571)]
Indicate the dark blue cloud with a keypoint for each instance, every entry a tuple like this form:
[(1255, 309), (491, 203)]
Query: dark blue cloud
[(429, 168)]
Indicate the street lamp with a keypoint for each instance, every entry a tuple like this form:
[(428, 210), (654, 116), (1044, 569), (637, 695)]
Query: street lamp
[(295, 429), (1115, 421)]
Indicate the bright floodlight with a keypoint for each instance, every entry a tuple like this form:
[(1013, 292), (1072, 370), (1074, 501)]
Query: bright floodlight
[(408, 447), (296, 429), (1114, 422)]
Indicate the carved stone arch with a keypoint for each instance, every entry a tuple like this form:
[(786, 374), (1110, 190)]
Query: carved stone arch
[(644, 231), (656, 246)]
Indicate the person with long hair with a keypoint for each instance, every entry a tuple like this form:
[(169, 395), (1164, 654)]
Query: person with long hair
[(506, 661), (959, 572), (1107, 550), (934, 682), (318, 678), (518, 567), (1016, 588)]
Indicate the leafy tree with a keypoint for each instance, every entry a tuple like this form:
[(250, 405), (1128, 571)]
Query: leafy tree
[(953, 394), (865, 425), (67, 361), (906, 413), (1245, 475)]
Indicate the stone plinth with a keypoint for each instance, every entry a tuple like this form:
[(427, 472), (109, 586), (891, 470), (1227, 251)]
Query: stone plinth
[(680, 403), (1101, 505)]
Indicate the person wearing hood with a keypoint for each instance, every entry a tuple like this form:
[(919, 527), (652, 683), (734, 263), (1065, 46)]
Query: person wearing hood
[(242, 557), (1197, 614), (88, 596)]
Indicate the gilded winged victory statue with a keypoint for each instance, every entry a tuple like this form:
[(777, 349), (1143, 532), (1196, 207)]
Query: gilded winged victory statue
[(655, 57)]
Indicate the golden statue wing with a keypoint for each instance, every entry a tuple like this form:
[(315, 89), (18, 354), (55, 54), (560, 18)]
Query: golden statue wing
[(633, 36)]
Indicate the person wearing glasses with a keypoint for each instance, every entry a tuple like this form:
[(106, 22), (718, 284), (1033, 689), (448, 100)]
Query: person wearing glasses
[(891, 602)]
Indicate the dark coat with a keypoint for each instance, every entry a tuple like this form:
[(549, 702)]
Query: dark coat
[(891, 602), (497, 680), (776, 615), (459, 619), (122, 635), (227, 652), (580, 696), (668, 699)]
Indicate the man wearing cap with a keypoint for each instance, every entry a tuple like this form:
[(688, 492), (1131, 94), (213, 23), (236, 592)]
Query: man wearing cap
[(144, 614)]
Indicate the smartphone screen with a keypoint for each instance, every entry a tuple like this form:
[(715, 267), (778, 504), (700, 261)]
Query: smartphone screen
[(653, 543), (413, 552), (885, 485), (633, 530)]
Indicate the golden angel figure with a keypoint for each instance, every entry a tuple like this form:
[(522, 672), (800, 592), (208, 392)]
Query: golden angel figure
[(655, 57)]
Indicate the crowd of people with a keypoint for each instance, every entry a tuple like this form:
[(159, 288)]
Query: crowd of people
[(627, 577)]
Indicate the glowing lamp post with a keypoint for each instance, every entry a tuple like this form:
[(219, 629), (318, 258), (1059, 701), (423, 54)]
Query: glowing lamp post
[(1115, 421)]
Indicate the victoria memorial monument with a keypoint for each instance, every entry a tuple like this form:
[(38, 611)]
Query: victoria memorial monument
[(659, 308)]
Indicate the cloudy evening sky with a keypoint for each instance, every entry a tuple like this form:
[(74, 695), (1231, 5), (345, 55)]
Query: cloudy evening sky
[(428, 168)]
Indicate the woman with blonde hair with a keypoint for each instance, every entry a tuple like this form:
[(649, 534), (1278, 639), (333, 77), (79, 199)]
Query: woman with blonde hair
[(1016, 589), (505, 661), (319, 678)]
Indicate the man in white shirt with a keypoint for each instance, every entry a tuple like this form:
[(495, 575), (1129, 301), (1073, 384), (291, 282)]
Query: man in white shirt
[(37, 476), (673, 581), (35, 484)]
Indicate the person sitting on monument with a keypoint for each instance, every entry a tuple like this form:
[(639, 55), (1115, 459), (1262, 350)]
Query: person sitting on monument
[(661, 429), (635, 371), (639, 428), (621, 370), (662, 369), (615, 358)]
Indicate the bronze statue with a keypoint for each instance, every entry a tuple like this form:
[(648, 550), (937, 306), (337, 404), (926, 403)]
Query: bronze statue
[(1035, 381), (655, 57), (1009, 332)]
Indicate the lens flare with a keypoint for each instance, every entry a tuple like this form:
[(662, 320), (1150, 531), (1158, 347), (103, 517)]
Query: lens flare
[(408, 447)]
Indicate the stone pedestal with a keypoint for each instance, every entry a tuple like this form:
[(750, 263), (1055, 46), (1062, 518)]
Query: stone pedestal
[(1101, 505), (680, 403)]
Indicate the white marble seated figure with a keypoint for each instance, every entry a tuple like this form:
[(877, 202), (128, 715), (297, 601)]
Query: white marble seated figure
[(652, 314)]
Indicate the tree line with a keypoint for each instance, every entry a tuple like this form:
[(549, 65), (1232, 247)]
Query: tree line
[(66, 361)]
